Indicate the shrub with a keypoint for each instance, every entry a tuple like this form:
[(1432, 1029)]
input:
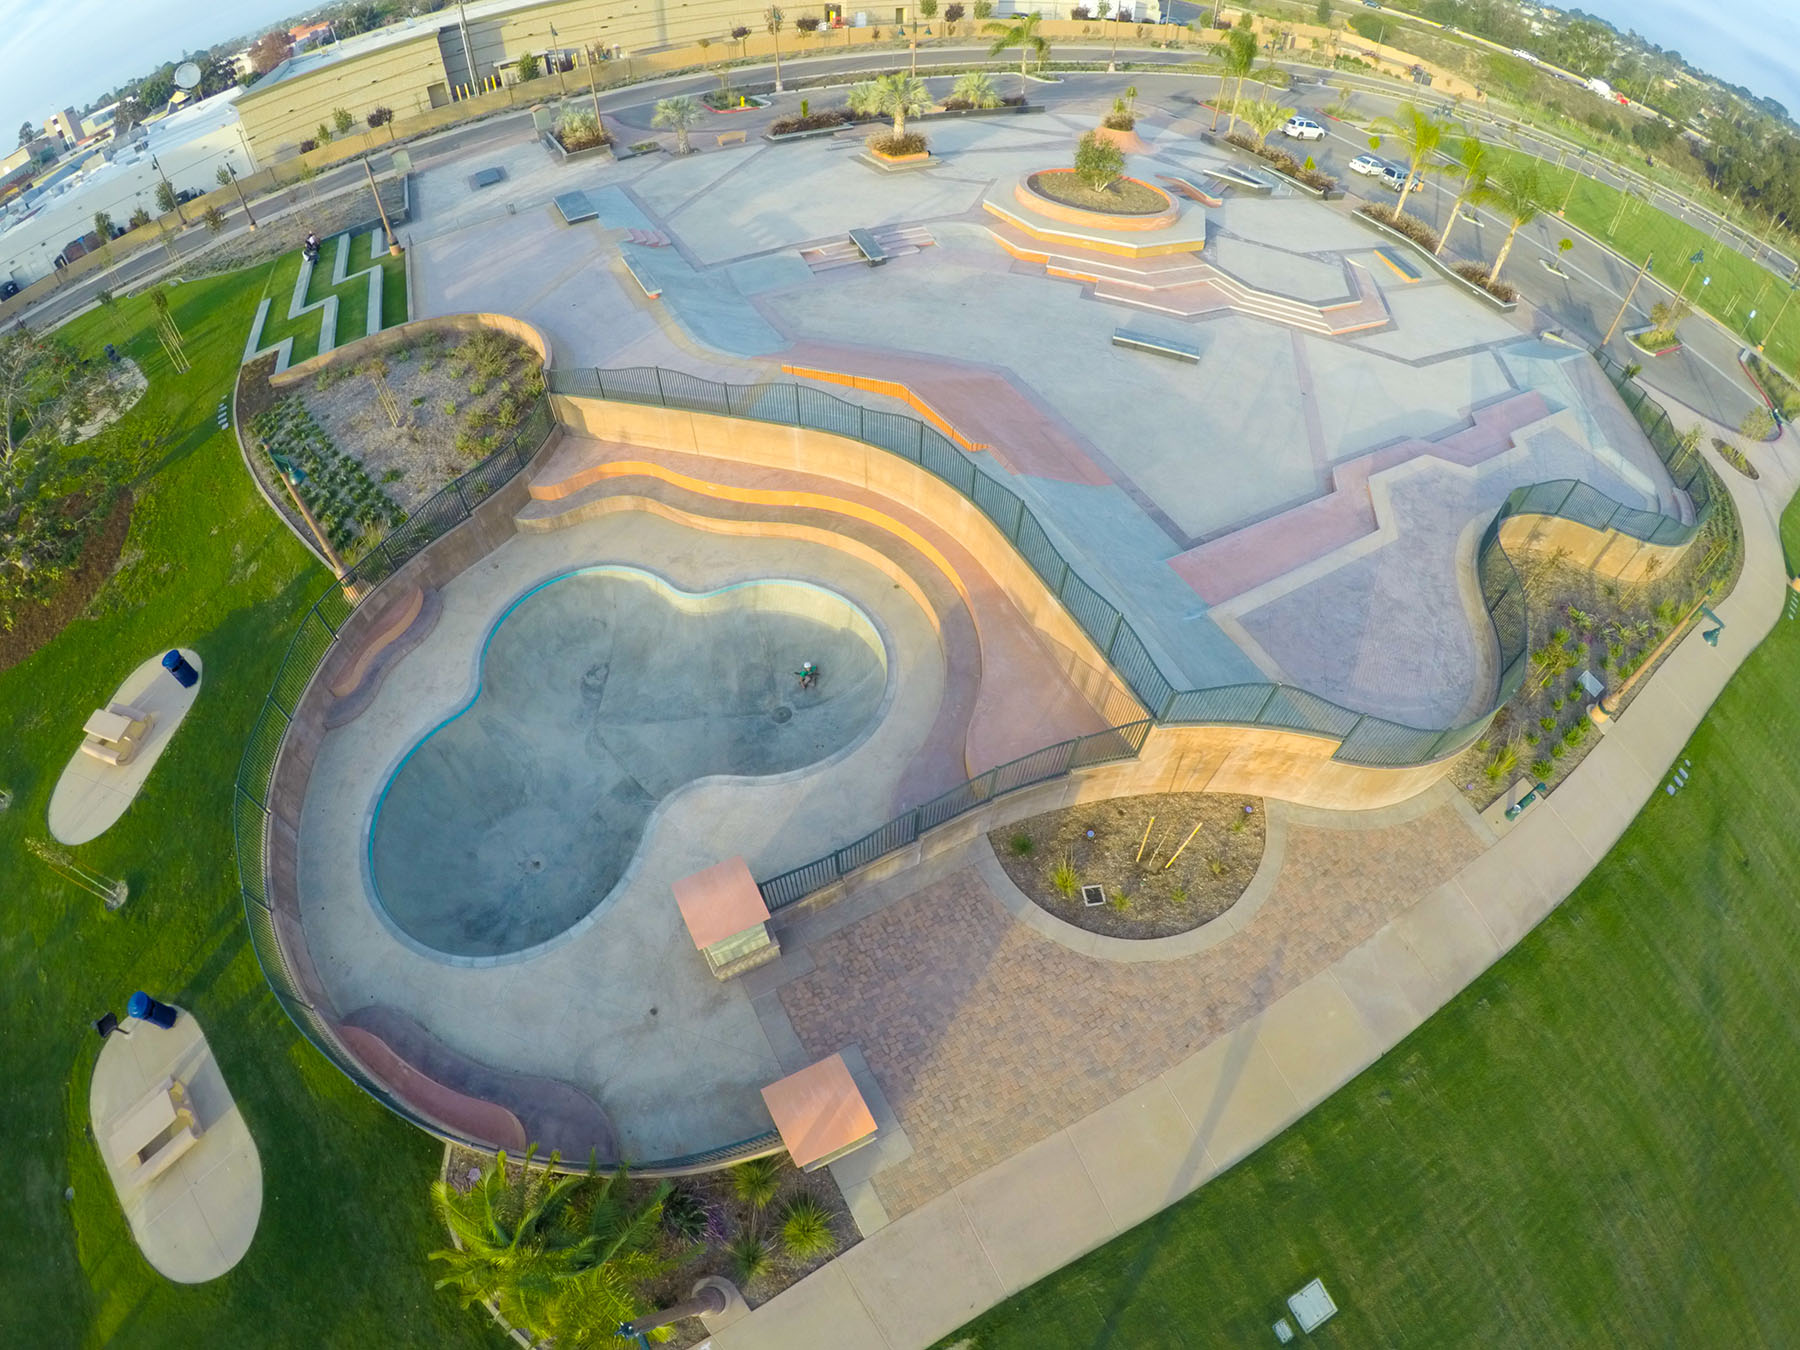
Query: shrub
[(975, 89), (342, 121), (749, 1257), (1119, 901), (322, 134), (1541, 769), (912, 143), (755, 1182), (684, 1216), (580, 130), (806, 1229), (808, 23), (1282, 160), (1098, 163), (1476, 273), (1406, 223), (379, 116), (812, 121), (307, 145), (1505, 760), (1118, 117), (1064, 880), (1021, 845), (1758, 425), (527, 67), (1179, 895), (953, 14), (1736, 457)]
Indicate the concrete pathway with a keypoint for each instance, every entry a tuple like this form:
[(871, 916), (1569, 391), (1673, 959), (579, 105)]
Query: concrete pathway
[(194, 1221), (90, 796), (927, 1272)]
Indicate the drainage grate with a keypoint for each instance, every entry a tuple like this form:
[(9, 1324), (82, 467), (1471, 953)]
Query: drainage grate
[(1093, 895)]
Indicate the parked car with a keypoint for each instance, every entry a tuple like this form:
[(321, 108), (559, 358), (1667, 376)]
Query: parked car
[(1393, 177), (1303, 129), (8, 289), (1371, 165)]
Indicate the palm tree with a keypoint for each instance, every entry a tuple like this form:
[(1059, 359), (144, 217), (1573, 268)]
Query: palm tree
[(1022, 33), (557, 1255), (898, 96), (1421, 135), (1240, 59), (976, 89), (1474, 184), (1515, 190), (1264, 116), (678, 114)]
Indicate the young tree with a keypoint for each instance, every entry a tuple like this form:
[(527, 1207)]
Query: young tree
[(741, 36), (928, 10), (526, 67), (139, 218), (1515, 194), (322, 134), (103, 226), (953, 15), (342, 121), (1322, 12), (1098, 163), (27, 133), (773, 18), (1421, 135), (214, 220), (1473, 184), (1022, 32), (167, 201), (678, 114), (380, 116), (1239, 58)]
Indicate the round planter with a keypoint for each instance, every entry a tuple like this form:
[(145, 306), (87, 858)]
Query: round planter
[(1127, 142), (1028, 195)]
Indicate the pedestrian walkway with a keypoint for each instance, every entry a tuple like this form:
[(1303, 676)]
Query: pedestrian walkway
[(992, 1234)]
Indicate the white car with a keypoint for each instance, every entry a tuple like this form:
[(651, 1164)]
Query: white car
[(1303, 129), (1369, 165)]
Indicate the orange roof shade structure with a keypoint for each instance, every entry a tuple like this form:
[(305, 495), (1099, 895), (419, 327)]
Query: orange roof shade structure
[(720, 902), (819, 1113)]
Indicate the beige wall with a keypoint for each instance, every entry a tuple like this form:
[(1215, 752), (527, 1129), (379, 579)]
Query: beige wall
[(1606, 552), (396, 76)]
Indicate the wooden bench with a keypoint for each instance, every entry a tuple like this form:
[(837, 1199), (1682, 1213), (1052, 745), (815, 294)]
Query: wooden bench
[(869, 247), (732, 138), (1143, 342)]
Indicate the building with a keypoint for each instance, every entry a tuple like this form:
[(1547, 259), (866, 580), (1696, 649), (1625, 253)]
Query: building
[(414, 66), (306, 36), (65, 125)]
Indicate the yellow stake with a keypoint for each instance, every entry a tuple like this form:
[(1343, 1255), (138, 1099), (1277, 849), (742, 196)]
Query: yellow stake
[(1184, 843), (1145, 839)]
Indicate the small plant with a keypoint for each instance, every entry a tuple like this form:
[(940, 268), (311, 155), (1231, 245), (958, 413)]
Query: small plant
[(1064, 880), (1541, 769), (1547, 723), (1021, 845), (806, 1229), (755, 1182), (1576, 733), (477, 388), (1119, 901), (1215, 865), (1532, 738), (684, 1216), (749, 1256), (1505, 760), (1558, 703), (1558, 750), (578, 129), (417, 399), (392, 476), (1179, 895), (449, 407)]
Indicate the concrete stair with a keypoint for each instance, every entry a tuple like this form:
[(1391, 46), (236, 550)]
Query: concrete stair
[(897, 240), (1187, 286)]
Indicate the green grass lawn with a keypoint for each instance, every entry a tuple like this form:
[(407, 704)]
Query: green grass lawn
[(1597, 1143), (1641, 230), (278, 280), (339, 1257)]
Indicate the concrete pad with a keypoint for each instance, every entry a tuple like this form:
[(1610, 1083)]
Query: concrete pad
[(1511, 900), (91, 795), (927, 1276), (1234, 1094), (1036, 1211), (1448, 935), (194, 1220), (1317, 1038), (1389, 986), (1141, 1152), (1612, 790), (823, 1309)]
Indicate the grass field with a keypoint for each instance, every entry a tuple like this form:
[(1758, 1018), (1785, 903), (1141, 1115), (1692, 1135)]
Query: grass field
[(1640, 230), (339, 1257), (1596, 1143), (353, 296)]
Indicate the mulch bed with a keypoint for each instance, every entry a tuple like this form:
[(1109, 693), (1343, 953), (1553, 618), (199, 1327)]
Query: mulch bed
[(1126, 196), (36, 625), (1160, 900)]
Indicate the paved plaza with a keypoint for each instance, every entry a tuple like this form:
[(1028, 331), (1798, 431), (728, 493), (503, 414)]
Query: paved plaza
[(1155, 460)]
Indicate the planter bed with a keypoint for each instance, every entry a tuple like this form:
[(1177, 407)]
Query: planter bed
[(603, 150), (1637, 336), (1444, 268)]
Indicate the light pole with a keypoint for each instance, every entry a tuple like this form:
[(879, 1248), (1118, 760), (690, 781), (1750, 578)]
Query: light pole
[(1773, 323), (240, 194), (1693, 262)]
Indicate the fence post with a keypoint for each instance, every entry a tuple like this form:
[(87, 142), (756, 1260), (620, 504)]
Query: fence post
[(661, 397), (1118, 623)]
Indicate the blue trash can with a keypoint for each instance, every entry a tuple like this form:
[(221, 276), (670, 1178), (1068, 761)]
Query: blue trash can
[(176, 664), (147, 1009)]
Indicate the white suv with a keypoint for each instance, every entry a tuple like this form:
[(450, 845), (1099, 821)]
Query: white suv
[(1303, 129)]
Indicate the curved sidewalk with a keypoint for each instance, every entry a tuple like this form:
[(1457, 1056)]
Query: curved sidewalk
[(928, 1272)]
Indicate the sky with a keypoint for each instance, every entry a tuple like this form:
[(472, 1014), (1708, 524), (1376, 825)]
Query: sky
[(65, 53), (1755, 43)]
